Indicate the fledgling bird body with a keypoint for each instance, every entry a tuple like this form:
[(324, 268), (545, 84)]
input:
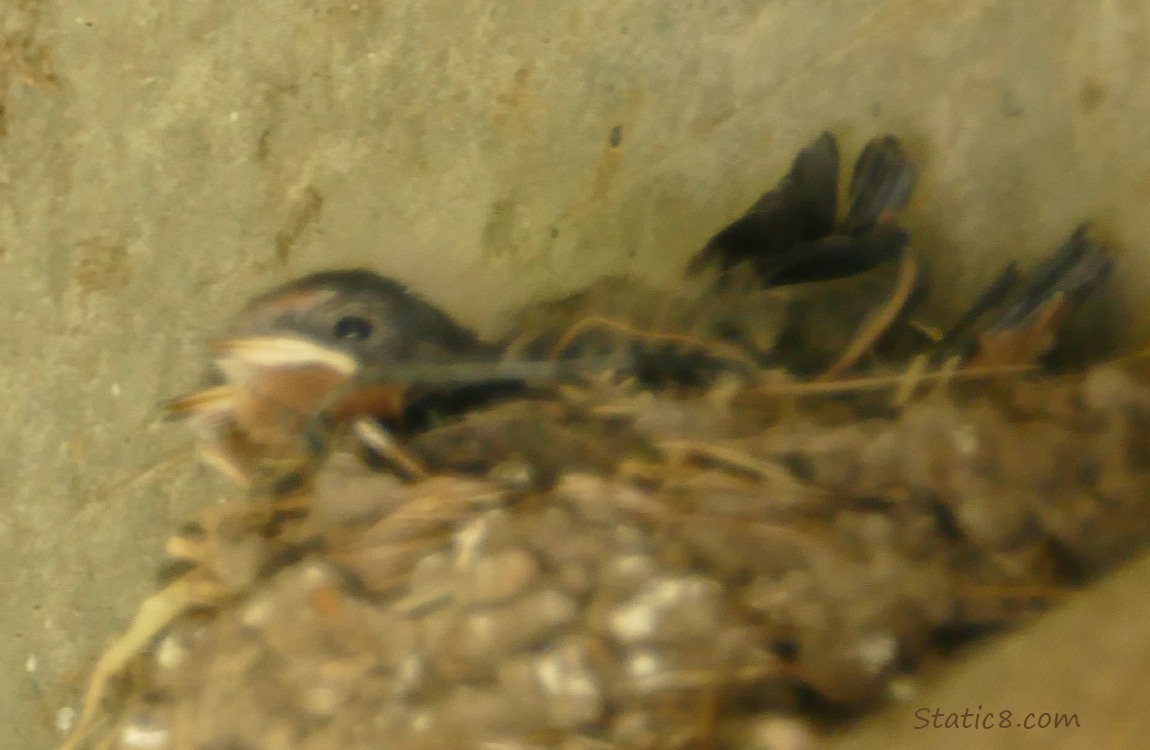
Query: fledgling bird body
[(301, 351), (354, 345), (788, 284), (778, 287)]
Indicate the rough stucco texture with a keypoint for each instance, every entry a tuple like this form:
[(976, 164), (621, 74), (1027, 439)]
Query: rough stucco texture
[(161, 161)]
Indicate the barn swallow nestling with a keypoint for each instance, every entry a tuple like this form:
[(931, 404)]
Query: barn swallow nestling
[(794, 235), (350, 346), (747, 295), (353, 344), (293, 351)]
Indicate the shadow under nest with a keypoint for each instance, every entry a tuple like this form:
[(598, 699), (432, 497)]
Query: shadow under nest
[(652, 561)]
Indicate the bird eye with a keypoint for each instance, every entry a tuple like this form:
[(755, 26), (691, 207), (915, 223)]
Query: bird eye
[(352, 328)]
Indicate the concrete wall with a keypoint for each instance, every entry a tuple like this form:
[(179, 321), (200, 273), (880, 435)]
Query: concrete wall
[(161, 161)]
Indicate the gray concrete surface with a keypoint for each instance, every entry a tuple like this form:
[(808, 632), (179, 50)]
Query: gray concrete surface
[(161, 161)]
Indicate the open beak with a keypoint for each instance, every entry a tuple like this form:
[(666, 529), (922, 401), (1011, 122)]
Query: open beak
[(272, 385), (286, 352)]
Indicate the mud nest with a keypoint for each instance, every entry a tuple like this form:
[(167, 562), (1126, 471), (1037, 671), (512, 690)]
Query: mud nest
[(610, 568), (675, 548)]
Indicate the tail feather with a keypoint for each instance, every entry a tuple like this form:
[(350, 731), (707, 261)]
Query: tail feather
[(1046, 277), (1027, 329), (790, 235), (837, 256), (801, 208), (881, 184)]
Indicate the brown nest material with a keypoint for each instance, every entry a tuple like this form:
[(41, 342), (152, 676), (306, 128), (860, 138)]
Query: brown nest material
[(617, 569)]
